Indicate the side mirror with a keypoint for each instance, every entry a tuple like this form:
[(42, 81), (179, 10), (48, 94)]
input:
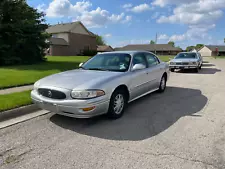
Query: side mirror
[(80, 64), (138, 67)]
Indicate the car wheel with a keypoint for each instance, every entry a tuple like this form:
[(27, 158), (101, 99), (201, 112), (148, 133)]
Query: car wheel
[(162, 85), (117, 104), (172, 70), (200, 67), (196, 70)]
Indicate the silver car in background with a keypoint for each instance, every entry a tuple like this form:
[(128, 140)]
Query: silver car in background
[(186, 60), (105, 84)]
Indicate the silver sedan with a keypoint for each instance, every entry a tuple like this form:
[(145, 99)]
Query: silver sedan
[(105, 84), (186, 60)]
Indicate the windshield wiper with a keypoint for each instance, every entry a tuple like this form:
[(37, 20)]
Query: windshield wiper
[(98, 69)]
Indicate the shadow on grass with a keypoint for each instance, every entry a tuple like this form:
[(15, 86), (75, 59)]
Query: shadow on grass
[(50, 65), (143, 119)]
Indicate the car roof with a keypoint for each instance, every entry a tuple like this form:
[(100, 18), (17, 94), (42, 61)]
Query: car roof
[(132, 52)]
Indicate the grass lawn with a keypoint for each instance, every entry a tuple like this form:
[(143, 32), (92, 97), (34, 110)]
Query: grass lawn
[(220, 57), (11, 76), (14, 100), (166, 58), (27, 74)]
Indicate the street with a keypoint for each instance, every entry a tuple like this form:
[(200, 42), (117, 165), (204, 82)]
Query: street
[(183, 128)]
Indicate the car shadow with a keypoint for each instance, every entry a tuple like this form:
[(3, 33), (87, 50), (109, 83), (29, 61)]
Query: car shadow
[(143, 119), (204, 70)]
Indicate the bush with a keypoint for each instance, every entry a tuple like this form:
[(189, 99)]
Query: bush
[(89, 52)]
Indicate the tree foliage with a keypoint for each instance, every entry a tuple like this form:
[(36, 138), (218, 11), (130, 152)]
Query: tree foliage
[(189, 48), (171, 43), (199, 46), (152, 42), (22, 33), (100, 40)]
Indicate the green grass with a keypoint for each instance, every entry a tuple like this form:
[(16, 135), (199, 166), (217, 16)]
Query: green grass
[(11, 76), (14, 100), (220, 57), (166, 58)]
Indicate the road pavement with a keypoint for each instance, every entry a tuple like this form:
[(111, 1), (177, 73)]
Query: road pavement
[(183, 128)]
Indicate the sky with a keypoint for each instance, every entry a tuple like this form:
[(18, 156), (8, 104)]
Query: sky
[(123, 22)]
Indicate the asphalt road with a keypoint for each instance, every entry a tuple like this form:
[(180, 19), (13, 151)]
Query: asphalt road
[(181, 128)]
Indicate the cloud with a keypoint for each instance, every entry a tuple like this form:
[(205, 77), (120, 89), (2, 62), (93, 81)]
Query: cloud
[(81, 11), (140, 8), (41, 7), (108, 35), (163, 3), (127, 5), (163, 37), (155, 15)]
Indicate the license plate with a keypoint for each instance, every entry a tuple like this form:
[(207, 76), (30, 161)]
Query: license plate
[(186, 67), (49, 106)]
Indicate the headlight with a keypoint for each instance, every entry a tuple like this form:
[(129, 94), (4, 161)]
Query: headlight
[(86, 94), (193, 63), (172, 63)]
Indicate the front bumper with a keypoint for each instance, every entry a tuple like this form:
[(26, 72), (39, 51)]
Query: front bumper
[(183, 66), (71, 107)]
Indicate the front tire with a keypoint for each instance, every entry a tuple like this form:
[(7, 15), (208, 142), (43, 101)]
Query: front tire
[(117, 104), (162, 85), (196, 70), (172, 69)]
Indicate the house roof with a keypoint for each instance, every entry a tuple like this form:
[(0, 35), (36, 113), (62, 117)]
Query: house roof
[(58, 41), (66, 27), (104, 48), (221, 48), (151, 47)]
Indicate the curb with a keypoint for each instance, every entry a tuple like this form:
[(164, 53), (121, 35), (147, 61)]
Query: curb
[(10, 114)]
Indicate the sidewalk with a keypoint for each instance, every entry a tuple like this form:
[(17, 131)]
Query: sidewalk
[(16, 89)]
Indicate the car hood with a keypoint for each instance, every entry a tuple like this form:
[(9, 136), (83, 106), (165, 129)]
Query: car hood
[(77, 79), (184, 60)]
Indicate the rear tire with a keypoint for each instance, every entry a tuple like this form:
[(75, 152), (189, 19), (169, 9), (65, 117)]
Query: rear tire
[(162, 85), (117, 105)]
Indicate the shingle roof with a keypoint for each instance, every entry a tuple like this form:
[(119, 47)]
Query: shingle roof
[(104, 48), (151, 47), (221, 48), (64, 27), (58, 41)]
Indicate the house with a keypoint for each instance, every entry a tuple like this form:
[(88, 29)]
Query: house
[(212, 50), (193, 50), (69, 39), (160, 49), (104, 48)]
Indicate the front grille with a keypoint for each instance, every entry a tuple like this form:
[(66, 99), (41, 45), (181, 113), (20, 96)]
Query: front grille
[(182, 63), (53, 94)]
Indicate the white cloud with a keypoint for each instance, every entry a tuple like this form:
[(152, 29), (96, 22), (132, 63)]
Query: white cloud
[(163, 3), (127, 5), (80, 11), (108, 35), (140, 8), (163, 37), (41, 7)]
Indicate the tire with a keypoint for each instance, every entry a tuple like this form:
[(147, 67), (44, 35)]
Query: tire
[(113, 112), (172, 70), (196, 70), (162, 85), (200, 67)]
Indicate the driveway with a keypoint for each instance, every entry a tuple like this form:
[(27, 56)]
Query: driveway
[(183, 128)]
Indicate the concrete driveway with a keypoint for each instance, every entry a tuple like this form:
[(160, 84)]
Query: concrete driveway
[(183, 128)]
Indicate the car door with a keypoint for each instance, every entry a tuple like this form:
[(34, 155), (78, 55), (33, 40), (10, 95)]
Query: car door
[(139, 78), (154, 71)]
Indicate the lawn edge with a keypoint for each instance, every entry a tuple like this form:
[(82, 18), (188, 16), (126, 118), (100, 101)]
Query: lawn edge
[(20, 111), (13, 86)]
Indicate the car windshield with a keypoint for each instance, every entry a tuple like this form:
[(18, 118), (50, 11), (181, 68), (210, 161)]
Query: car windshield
[(108, 62), (186, 56)]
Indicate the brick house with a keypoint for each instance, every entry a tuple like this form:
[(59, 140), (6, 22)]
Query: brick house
[(104, 48), (160, 49), (70, 39)]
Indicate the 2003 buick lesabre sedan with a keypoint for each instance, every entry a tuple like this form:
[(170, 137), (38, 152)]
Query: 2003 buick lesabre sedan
[(105, 84)]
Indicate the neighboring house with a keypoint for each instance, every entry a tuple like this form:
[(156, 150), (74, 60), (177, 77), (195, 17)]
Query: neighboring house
[(212, 50), (160, 49), (70, 39), (104, 48)]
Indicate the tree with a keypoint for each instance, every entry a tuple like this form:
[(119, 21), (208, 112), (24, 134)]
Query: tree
[(171, 43), (189, 48), (152, 42), (22, 33), (100, 40), (199, 46)]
